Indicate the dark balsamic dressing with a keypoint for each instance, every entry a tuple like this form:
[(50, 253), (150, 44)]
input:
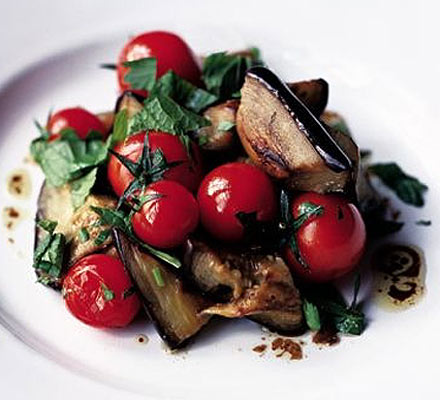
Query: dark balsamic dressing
[(315, 132)]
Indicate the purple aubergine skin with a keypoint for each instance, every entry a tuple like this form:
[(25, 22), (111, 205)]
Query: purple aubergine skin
[(316, 133)]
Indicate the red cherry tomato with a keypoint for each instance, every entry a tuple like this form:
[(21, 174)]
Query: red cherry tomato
[(188, 172), (331, 244), (169, 216), (82, 121), (170, 51), (232, 188), (98, 291)]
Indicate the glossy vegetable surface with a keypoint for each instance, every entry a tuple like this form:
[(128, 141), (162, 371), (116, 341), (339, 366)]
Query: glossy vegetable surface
[(98, 291), (332, 243), (78, 119), (231, 189), (170, 213), (170, 51), (188, 172)]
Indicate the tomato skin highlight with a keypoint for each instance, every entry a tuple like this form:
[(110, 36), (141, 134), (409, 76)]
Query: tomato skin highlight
[(170, 51), (331, 244), (188, 172), (167, 220), (83, 289), (77, 118), (232, 188)]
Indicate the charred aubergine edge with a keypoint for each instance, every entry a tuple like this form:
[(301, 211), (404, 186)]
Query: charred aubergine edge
[(175, 311)]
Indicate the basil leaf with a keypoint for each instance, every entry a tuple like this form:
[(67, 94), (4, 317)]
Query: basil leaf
[(223, 74), (81, 188), (311, 315), (57, 161), (408, 188), (183, 92), (83, 235), (120, 129), (48, 256), (142, 73), (161, 113)]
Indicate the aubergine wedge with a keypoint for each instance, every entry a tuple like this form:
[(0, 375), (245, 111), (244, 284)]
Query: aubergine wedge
[(257, 286), (55, 204), (283, 137), (175, 311), (313, 93)]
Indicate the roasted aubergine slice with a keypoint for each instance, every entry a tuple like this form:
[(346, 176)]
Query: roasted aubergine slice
[(259, 287), (313, 93), (175, 311), (55, 204), (282, 136)]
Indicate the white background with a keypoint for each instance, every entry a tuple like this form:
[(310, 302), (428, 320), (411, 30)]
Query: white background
[(394, 38)]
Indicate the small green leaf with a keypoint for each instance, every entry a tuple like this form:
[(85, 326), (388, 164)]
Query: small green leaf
[(408, 188), (158, 277), (183, 92), (120, 129), (83, 235), (81, 188), (142, 73), (162, 113), (47, 225), (225, 126), (44, 133), (102, 237), (108, 294), (311, 315), (424, 222)]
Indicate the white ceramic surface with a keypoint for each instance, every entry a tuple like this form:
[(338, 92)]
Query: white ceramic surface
[(45, 352)]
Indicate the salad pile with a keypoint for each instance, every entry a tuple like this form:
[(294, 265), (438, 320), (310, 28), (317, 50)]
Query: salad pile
[(214, 188)]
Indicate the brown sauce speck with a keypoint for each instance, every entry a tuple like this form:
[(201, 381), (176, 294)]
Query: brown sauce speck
[(19, 183), (399, 275), (11, 216), (260, 348), (287, 346), (10, 240), (326, 336)]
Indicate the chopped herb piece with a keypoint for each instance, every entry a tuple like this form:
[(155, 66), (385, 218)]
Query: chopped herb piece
[(223, 74), (120, 129), (108, 294), (83, 235), (225, 126), (44, 133), (311, 315), (158, 277), (183, 92), (81, 188), (109, 66), (47, 225), (102, 237), (423, 222), (142, 73), (408, 188), (203, 139), (161, 113)]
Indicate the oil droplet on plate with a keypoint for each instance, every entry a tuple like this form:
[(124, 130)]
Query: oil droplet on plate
[(399, 276)]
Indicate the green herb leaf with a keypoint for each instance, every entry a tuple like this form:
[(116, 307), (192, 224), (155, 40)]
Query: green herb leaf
[(183, 92), (83, 235), (47, 225), (44, 133), (311, 315), (120, 129), (108, 294), (224, 73), (225, 126), (142, 73), (161, 113), (48, 256), (424, 222), (81, 188), (408, 188), (102, 237), (158, 277)]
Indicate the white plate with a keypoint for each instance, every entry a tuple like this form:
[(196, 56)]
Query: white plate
[(396, 355)]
